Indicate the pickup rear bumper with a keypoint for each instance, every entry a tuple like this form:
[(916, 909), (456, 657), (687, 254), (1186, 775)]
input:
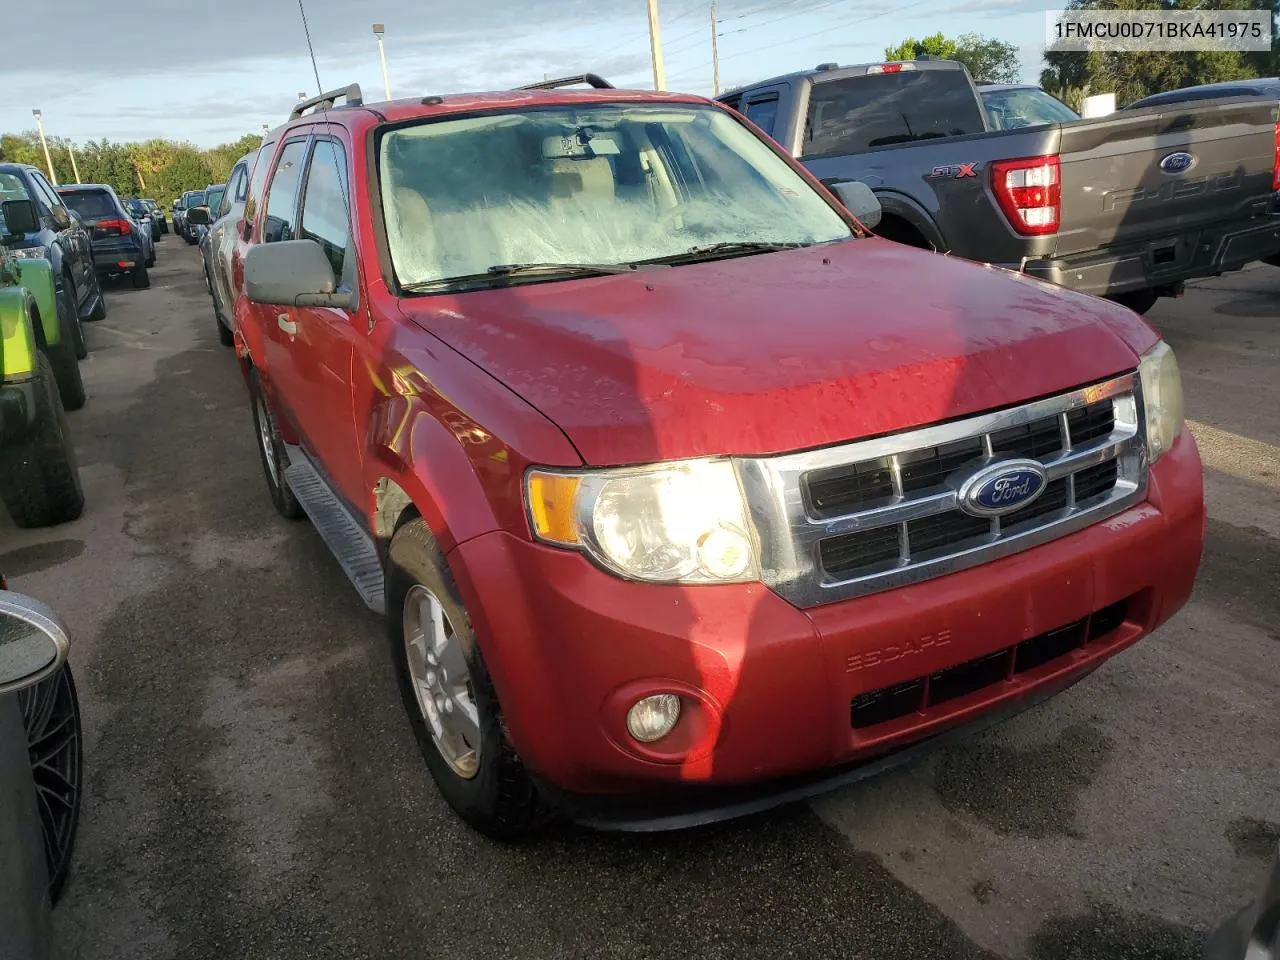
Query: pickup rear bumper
[(772, 693), (1164, 262)]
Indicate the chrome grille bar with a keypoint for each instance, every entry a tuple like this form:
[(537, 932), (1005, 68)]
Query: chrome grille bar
[(792, 534)]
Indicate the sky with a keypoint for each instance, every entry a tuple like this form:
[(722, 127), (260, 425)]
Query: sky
[(209, 73)]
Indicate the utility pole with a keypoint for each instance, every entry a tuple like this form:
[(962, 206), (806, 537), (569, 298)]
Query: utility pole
[(137, 168), (74, 168), (44, 143), (715, 53), (655, 47), (378, 30)]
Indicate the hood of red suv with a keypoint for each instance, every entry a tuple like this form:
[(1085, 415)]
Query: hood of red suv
[(778, 352)]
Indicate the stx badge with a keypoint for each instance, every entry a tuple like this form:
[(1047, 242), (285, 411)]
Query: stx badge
[(955, 171)]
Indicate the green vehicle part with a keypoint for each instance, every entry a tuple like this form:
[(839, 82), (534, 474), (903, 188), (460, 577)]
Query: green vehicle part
[(39, 480), (58, 326)]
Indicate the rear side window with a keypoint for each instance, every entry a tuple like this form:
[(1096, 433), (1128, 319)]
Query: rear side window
[(324, 204), (260, 168), (857, 113), (91, 204), (763, 112), (282, 199)]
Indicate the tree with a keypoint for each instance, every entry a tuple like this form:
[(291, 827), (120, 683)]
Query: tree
[(1133, 75), (985, 58)]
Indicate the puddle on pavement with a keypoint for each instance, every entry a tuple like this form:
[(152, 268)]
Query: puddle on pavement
[(39, 557), (1030, 791)]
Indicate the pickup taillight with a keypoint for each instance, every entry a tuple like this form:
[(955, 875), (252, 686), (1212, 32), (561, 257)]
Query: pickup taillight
[(119, 226), (1275, 164), (1029, 192)]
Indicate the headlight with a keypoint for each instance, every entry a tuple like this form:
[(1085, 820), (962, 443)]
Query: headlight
[(28, 253), (1162, 397), (674, 523)]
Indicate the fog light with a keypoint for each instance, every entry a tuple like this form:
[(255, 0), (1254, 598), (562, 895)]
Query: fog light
[(652, 718)]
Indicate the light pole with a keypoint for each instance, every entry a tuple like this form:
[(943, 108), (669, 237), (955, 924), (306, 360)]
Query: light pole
[(44, 143), (655, 47), (378, 30), (74, 167)]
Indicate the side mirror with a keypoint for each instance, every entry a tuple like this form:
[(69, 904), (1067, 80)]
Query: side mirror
[(293, 273), (198, 216), (859, 200), (33, 642), (20, 217)]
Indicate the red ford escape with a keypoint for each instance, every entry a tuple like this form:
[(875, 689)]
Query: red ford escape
[(681, 493)]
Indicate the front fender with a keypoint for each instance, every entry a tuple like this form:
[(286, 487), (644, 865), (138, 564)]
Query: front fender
[(17, 339), (37, 276), (420, 461)]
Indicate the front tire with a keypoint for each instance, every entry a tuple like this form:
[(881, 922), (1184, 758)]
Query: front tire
[(448, 694), (100, 307), (271, 449), (39, 479)]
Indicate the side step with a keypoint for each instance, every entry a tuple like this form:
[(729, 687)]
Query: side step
[(342, 532)]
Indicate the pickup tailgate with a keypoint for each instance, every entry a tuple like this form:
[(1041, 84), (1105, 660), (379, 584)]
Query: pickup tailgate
[(1116, 194)]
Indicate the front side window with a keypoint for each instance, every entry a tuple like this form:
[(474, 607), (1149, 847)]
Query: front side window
[(214, 200), (763, 112), (282, 200), (853, 114), (1027, 107), (607, 184), (50, 197), (324, 205)]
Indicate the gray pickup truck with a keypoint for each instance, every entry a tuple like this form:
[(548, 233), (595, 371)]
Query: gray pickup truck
[(1127, 206)]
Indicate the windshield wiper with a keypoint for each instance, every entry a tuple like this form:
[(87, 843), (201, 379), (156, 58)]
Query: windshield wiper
[(502, 270), (728, 247)]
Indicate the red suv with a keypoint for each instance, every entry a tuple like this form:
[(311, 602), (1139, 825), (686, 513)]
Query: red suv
[(678, 490)]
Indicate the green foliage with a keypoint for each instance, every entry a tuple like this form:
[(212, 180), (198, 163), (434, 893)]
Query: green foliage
[(985, 58), (163, 169), (1131, 76)]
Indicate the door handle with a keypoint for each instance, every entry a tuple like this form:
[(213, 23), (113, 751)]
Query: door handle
[(287, 325)]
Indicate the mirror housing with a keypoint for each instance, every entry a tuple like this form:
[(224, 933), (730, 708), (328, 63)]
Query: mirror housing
[(859, 200), (198, 216), (293, 273), (33, 642), (20, 217)]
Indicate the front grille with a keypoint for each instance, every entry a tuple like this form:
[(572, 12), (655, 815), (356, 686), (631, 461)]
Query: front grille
[(925, 693), (876, 514)]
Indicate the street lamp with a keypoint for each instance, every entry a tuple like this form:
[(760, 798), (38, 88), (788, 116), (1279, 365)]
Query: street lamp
[(378, 30), (44, 143)]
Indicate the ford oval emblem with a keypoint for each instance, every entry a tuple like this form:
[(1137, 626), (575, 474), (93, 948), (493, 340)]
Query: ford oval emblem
[(1177, 162), (1003, 488)]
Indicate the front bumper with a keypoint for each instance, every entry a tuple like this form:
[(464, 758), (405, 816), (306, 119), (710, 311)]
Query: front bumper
[(769, 689), (1161, 263)]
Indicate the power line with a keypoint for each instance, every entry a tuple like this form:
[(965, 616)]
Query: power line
[(785, 16), (824, 31), (763, 8)]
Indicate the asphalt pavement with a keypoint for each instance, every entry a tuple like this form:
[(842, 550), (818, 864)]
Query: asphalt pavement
[(254, 791)]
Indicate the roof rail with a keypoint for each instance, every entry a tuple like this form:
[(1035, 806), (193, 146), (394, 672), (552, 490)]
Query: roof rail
[(350, 93), (599, 82)]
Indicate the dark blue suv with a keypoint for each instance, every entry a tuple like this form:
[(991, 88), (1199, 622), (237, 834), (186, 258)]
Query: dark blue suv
[(120, 244)]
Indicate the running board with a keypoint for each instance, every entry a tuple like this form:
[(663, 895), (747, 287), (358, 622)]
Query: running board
[(341, 532)]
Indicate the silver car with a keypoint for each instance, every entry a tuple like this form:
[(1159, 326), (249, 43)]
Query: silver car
[(41, 772), (219, 242)]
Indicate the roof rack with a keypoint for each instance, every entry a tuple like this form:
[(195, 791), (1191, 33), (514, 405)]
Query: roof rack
[(594, 80), (350, 93)]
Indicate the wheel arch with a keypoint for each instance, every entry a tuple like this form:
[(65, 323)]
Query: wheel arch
[(37, 276), (901, 210), (20, 333)]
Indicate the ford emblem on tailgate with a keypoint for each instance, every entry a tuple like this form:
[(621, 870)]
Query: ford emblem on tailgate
[(1177, 162), (1002, 488)]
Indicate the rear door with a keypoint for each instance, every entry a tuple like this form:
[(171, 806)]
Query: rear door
[(1159, 175)]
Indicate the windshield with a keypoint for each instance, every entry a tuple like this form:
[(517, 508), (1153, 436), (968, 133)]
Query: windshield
[(600, 184), (139, 208), (11, 188), (91, 204), (195, 199), (214, 198), (1024, 107)]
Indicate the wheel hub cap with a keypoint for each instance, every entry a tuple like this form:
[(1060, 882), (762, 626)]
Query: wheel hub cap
[(442, 681)]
